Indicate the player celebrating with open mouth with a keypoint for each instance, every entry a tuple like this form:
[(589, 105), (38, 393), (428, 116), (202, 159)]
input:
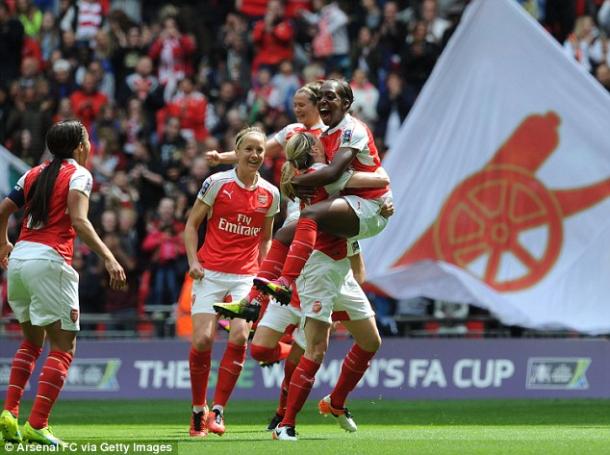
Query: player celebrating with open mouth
[(42, 285), (304, 153), (239, 206)]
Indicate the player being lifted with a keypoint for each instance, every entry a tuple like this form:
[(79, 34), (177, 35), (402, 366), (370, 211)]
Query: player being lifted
[(348, 143), (304, 153), (42, 285), (327, 291), (239, 207)]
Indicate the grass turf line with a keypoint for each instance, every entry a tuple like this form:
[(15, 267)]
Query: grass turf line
[(385, 427)]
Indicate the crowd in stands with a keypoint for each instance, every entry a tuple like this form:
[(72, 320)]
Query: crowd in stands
[(157, 84)]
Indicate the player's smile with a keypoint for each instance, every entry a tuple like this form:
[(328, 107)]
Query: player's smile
[(330, 105)]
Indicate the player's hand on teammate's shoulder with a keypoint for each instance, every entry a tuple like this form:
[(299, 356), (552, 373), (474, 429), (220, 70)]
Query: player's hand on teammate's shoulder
[(213, 157), (196, 271), (118, 280), (5, 250), (387, 209)]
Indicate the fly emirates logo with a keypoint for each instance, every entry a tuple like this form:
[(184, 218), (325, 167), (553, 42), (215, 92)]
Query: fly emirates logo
[(242, 227)]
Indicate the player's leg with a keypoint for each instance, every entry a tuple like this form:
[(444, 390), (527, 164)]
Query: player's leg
[(200, 362), (266, 347), (230, 368), (294, 356), (249, 307), (54, 306), (212, 287), (50, 383), (24, 361), (303, 377), (334, 216), (354, 310), (22, 366)]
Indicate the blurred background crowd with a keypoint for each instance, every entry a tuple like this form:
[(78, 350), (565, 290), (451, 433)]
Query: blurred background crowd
[(158, 84)]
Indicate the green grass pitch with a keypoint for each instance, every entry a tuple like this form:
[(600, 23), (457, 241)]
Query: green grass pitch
[(385, 427)]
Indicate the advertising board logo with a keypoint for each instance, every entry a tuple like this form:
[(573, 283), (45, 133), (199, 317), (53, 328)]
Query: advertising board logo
[(554, 373), (93, 375)]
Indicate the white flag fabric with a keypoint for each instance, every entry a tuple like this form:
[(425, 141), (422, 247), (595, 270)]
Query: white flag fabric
[(501, 181), (11, 168)]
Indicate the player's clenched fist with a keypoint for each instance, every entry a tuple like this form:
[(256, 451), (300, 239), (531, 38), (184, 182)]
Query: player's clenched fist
[(196, 271)]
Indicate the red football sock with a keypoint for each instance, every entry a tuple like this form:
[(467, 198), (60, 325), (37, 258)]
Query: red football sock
[(353, 368), (228, 373), (269, 355), (199, 366), (50, 383), (301, 383), (300, 249), (289, 367), (263, 354), (271, 266), (21, 370)]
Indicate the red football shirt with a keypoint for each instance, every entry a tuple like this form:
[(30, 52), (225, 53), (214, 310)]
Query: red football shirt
[(235, 222), (352, 133), (58, 233)]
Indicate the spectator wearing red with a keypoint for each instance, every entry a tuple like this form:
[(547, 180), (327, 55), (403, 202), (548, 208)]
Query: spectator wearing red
[(190, 106), (172, 50), (88, 101), (273, 37)]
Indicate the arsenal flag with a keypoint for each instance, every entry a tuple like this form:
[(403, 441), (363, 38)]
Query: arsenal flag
[(501, 181)]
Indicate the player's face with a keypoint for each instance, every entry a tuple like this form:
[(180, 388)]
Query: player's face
[(251, 152), (331, 106), (317, 151), (84, 147), (305, 110)]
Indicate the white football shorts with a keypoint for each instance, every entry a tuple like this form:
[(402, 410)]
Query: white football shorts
[(367, 210), (215, 287), (279, 317), (43, 291), (329, 292)]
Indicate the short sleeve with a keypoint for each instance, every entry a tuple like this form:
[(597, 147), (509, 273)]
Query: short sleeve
[(209, 190), (82, 181), (281, 137), (274, 208), (354, 136), (353, 248), (17, 195)]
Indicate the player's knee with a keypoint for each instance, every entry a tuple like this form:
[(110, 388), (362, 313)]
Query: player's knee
[(262, 353), (372, 344), (317, 351), (202, 342), (240, 339)]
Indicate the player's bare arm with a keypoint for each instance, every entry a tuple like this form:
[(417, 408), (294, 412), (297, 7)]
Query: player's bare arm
[(377, 179), (7, 207), (330, 173), (191, 237), (78, 207), (266, 238), (357, 264), (273, 149)]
